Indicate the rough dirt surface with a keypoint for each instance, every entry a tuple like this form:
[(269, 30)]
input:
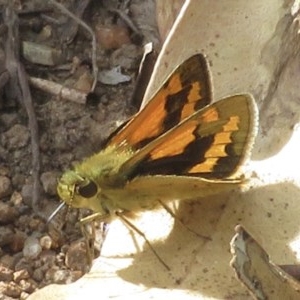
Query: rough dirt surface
[(33, 254)]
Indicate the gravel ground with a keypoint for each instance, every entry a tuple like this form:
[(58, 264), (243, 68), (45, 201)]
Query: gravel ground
[(33, 253)]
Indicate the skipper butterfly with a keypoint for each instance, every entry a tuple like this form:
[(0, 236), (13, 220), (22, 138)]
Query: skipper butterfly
[(179, 146)]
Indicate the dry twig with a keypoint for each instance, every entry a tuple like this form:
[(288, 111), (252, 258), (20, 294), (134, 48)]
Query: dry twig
[(91, 32), (19, 88)]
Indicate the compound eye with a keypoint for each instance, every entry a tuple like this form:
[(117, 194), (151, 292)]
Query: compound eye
[(88, 191)]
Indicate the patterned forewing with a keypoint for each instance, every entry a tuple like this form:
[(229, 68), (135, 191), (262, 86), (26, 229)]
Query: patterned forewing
[(212, 143), (187, 90)]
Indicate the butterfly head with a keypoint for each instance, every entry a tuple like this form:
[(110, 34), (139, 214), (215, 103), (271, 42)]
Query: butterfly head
[(78, 191)]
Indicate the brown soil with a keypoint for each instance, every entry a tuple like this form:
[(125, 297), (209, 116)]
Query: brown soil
[(33, 253)]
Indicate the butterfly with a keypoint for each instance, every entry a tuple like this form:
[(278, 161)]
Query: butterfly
[(179, 146)]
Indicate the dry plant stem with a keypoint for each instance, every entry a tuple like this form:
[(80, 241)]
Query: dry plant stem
[(58, 90), (145, 70), (34, 11), (4, 78), (69, 28), (293, 270), (91, 32), (34, 135), (20, 85), (126, 19)]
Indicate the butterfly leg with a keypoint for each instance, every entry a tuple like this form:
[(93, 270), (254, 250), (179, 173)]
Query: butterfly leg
[(132, 226), (87, 226), (167, 208)]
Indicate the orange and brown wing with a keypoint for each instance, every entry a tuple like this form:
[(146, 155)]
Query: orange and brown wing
[(187, 90), (212, 143)]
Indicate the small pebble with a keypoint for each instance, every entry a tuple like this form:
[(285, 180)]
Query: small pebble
[(38, 274), (32, 248), (41, 54), (16, 198), (49, 182), (27, 286), (8, 213), (76, 258), (60, 276), (127, 57), (6, 274), (17, 243), (8, 261), (48, 258), (112, 36), (12, 290), (46, 242), (23, 264), (5, 186), (84, 82), (26, 193), (6, 235), (34, 224), (75, 275), (21, 274), (8, 119), (16, 137), (24, 296)]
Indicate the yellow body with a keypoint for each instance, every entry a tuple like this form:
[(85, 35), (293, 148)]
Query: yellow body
[(141, 193)]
